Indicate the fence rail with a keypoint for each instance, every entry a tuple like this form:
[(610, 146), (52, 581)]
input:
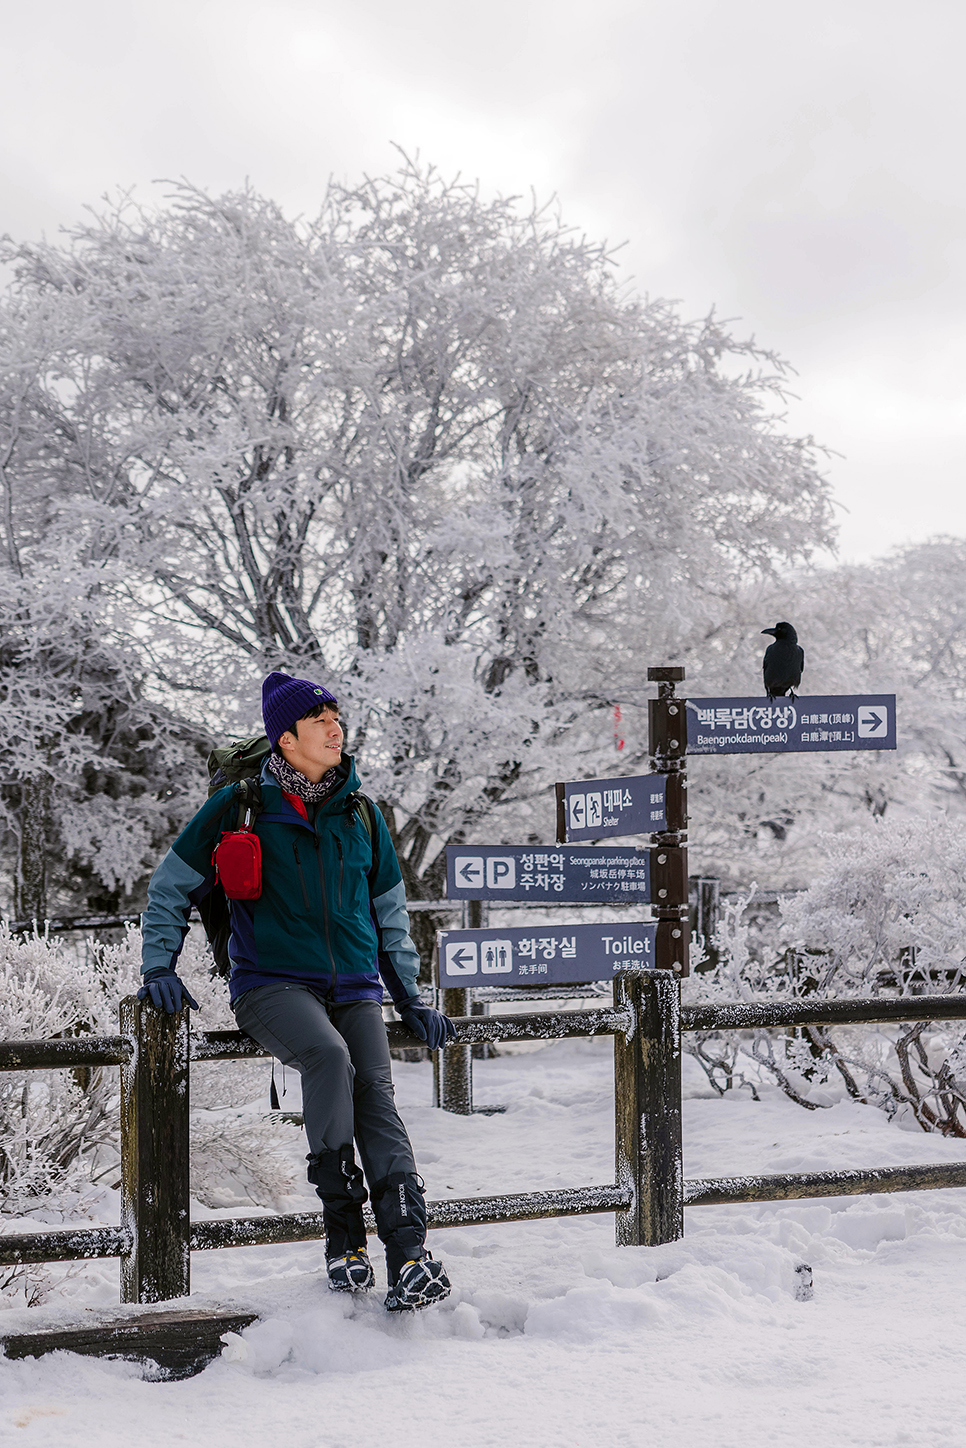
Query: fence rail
[(71, 1051), (156, 1237), (785, 1186), (854, 1010)]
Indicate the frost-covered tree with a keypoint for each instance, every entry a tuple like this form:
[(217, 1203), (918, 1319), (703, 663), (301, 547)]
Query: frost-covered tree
[(96, 775), (422, 446), (92, 769)]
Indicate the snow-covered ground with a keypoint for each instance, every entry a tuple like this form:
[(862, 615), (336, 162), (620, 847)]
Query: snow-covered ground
[(552, 1335)]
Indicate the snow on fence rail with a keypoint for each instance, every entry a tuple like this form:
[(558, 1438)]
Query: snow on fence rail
[(156, 1237)]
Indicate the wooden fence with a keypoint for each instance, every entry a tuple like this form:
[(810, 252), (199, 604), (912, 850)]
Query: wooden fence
[(154, 1051)]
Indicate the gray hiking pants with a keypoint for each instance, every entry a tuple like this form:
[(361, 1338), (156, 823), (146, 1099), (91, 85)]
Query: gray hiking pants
[(341, 1053)]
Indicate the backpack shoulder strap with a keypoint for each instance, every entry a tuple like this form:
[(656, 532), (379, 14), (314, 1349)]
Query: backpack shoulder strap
[(363, 806), (248, 793)]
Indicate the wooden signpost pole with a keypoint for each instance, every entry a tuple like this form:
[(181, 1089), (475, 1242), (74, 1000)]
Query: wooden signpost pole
[(456, 1062), (647, 1066), (667, 719)]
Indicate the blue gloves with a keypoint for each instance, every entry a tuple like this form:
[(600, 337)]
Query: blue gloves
[(167, 991), (430, 1026)]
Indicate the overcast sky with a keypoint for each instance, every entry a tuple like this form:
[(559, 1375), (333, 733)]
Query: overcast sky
[(795, 166)]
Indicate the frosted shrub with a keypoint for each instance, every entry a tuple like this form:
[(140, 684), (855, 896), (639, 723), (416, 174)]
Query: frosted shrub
[(60, 1130), (889, 910), (737, 976), (886, 916), (239, 1150)]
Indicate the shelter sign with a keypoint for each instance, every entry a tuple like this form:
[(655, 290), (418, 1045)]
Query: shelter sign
[(809, 724), (594, 809), (543, 954)]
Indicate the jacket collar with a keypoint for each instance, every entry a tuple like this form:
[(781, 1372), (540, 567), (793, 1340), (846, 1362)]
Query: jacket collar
[(337, 801)]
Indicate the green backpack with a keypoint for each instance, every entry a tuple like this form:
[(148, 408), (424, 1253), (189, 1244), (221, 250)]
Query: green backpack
[(240, 763)]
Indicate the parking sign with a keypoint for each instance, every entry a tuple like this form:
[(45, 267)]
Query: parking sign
[(554, 873)]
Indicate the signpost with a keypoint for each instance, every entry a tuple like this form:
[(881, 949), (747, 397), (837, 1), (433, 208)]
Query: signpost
[(595, 809), (592, 810), (544, 954), (809, 724)]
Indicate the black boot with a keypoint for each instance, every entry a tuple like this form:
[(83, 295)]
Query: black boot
[(415, 1279), (338, 1181)]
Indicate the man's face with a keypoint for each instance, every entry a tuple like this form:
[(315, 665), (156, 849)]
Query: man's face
[(316, 747)]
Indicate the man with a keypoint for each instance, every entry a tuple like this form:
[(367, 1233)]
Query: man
[(306, 957)]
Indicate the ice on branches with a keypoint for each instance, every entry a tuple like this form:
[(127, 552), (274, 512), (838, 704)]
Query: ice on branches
[(60, 1129)]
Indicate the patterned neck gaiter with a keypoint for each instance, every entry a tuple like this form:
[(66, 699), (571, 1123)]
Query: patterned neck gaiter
[(294, 782)]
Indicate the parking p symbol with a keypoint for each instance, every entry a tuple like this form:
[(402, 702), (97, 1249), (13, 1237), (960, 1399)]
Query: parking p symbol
[(501, 872)]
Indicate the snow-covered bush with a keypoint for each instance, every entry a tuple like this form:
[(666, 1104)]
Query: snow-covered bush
[(887, 915), (889, 909), (60, 1129), (237, 1144)]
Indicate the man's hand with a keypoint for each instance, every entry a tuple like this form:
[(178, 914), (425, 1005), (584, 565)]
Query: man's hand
[(166, 990), (430, 1026)]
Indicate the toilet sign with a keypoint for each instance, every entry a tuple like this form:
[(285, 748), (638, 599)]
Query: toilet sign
[(543, 954)]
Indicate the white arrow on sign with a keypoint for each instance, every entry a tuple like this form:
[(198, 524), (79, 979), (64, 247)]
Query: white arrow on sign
[(469, 869), (461, 958), (872, 721)]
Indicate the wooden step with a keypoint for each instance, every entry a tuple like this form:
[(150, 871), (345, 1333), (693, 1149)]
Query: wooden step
[(179, 1342)]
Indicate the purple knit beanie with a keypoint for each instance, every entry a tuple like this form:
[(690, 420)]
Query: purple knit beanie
[(286, 700)]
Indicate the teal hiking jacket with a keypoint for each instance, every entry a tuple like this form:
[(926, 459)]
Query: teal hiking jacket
[(332, 912)]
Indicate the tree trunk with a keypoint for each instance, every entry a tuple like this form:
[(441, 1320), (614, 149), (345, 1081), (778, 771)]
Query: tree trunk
[(30, 893)]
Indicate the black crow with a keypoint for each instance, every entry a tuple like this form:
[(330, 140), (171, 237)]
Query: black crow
[(783, 662)]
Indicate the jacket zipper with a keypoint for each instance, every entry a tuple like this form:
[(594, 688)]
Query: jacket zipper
[(338, 846), (325, 912), (305, 893)]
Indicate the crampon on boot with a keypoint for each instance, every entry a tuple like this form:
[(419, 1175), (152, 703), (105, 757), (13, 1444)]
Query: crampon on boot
[(352, 1272), (421, 1283), (338, 1181), (415, 1278)]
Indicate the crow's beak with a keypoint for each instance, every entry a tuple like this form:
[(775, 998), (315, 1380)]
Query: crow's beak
[(770, 631)]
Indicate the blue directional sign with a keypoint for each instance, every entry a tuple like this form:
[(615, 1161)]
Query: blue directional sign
[(543, 954), (527, 872), (632, 805), (811, 724)]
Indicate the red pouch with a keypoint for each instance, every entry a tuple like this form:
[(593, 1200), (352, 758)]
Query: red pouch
[(238, 861)]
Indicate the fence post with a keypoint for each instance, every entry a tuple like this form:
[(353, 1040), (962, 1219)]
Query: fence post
[(706, 898), (456, 1062), (155, 1204), (647, 1109)]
